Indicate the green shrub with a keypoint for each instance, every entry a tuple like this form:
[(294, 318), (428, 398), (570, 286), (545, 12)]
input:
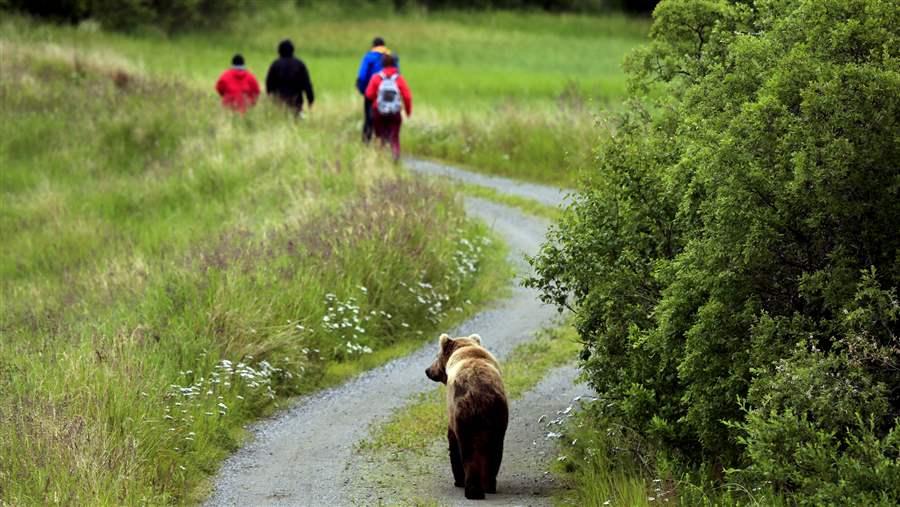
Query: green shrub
[(634, 6), (733, 260)]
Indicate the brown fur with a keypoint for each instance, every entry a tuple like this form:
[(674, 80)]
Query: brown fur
[(477, 409)]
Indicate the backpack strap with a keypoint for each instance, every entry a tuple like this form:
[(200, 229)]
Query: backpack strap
[(392, 77)]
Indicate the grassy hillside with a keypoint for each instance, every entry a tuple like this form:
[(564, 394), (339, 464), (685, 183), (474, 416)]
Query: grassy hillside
[(511, 93), (171, 270)]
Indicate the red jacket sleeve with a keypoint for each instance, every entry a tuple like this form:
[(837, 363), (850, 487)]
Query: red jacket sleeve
[(220, 85), (406, 94), (372, 89)]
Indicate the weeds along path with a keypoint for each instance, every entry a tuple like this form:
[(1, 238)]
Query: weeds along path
[(305, 454)]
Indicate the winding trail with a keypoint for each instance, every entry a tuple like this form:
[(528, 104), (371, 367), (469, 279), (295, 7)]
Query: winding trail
[(305, 454)]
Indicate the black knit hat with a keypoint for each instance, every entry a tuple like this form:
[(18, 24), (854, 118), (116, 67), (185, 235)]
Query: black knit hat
[(238, 60), (286, 48), (377, 41)]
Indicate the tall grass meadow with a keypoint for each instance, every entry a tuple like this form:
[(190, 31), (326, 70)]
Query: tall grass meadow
[(172, 270), (517, 94)]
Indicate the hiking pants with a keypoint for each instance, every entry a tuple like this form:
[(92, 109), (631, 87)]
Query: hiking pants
[(387, 128), (367, 120)]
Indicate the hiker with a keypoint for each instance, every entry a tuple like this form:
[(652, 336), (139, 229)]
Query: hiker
[(389, 95), (237, 86), (288, 78), (371, 65)]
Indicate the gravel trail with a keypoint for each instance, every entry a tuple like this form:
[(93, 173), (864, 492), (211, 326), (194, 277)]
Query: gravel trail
[(548, 196), (305, 454)]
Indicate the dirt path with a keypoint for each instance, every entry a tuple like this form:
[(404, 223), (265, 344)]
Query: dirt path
[(305, 455)]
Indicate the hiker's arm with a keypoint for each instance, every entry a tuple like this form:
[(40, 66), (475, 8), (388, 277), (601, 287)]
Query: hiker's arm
[(307, 85), (406, 94), (220, 86), (361, 75), (270, 80), (372, 89)]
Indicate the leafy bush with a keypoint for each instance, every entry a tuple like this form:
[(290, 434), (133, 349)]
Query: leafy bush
[(733, 261)]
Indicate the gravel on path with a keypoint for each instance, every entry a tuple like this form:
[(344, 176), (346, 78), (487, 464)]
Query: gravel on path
[(546, 195)]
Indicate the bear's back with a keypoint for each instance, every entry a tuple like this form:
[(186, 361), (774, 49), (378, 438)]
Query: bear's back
[(474, 387)]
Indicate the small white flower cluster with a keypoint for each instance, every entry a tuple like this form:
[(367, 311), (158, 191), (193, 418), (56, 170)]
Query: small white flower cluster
[(344, 321), (261, 376), (561, 416), (659, 494), (466, 259), (205, 396), (432, 300), (467, 256)]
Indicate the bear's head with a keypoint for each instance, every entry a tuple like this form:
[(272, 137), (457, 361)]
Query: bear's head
[(446, 347)]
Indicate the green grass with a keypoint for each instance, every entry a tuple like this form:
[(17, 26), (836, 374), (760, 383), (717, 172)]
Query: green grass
[(424, 420), (598, 474), (529, 206), (168, 269), (606, 465), (516, 94)]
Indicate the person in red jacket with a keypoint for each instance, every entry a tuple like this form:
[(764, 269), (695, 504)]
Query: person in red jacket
[(390, 96), (237, 86)]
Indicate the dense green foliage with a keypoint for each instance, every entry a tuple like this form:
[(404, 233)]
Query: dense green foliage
[(177, 15), (169, 15), (734, 259), (634, 6)]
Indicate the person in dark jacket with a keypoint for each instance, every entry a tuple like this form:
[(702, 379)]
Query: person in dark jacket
[(237, 86), (288, 79), (371, 65)]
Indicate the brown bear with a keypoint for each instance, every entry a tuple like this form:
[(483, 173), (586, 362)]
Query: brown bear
[(477, 410)]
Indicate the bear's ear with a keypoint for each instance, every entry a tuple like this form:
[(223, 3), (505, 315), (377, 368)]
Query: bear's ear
[(444, 340), (476, 338)]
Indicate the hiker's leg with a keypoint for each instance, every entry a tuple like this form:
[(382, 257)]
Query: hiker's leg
[(381, 127), (367, 121), (395, 137)]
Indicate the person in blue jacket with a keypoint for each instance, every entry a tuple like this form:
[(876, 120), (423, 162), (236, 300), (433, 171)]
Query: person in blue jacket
[(371, 65)]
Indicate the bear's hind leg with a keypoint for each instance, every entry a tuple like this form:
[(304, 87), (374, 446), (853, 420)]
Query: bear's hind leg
[(476, 469), (475, 465), (459, 476), (495, 457)]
